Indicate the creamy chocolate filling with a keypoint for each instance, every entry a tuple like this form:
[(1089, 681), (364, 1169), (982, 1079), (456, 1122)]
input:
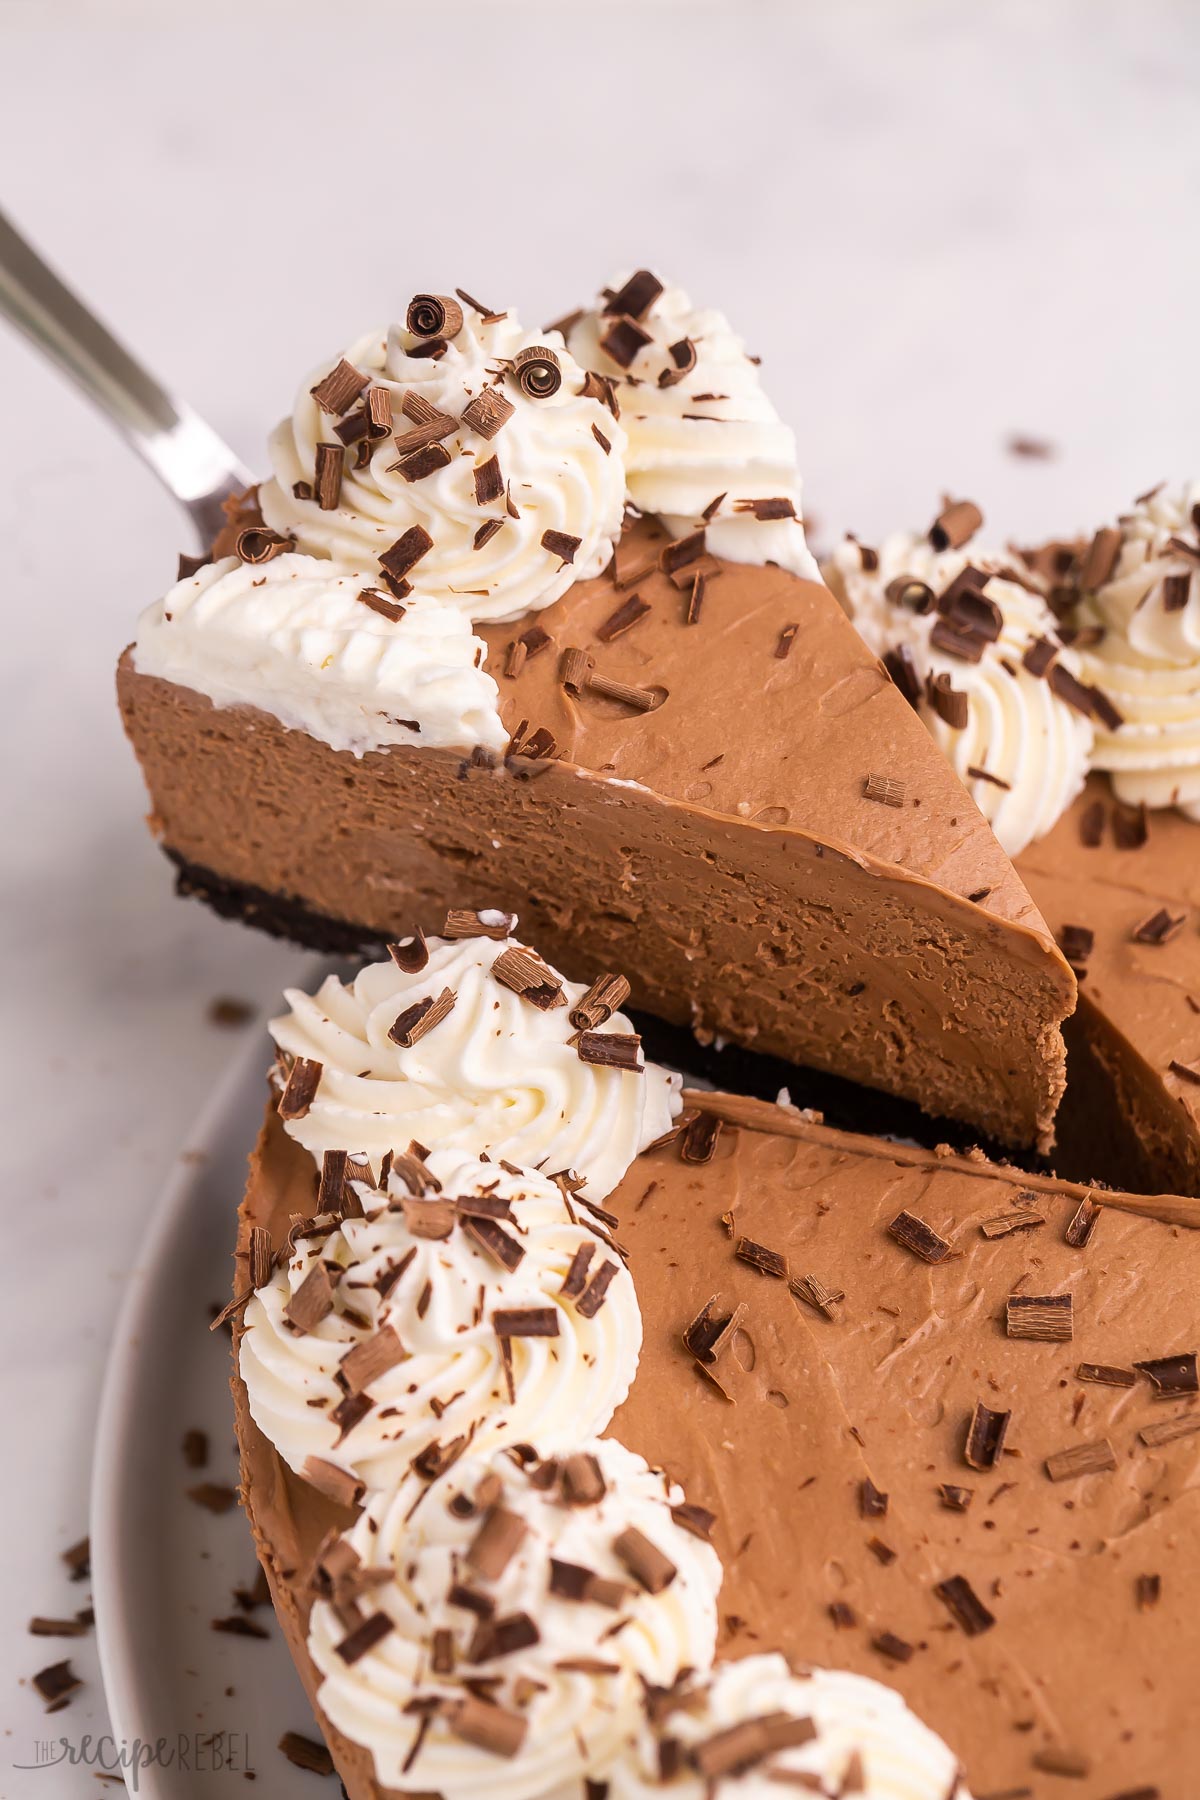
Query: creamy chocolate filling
[(775, 852), (1040, 1620)]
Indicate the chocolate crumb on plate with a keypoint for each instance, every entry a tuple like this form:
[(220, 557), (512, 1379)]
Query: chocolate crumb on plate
[(213, 1496), (305, 1753), (56, 1683)]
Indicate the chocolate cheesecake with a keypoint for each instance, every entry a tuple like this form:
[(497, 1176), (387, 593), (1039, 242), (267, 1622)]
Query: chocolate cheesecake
[(443, 667), (938, 1418), (944, 1413), (1076, 671)]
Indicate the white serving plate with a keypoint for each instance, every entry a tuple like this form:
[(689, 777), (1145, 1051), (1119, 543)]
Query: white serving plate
[(163, 1568)]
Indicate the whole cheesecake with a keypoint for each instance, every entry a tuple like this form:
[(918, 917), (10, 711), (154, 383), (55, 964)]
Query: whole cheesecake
[(443, 667), (938, 1417)]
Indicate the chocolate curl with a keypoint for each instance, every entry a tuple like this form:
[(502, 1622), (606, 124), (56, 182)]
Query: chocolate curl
[(434, 316), (538, 371)]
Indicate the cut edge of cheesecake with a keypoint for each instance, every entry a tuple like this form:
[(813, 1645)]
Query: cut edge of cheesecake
[(818, 886)]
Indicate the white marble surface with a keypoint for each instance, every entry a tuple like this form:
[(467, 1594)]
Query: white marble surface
[(939, 224)]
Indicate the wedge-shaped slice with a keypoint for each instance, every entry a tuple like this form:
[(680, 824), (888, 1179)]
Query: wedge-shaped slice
[(1121, 890), (928, 1400), (740, 813)]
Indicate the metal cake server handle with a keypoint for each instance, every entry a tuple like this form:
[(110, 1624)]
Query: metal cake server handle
[(185, 453)]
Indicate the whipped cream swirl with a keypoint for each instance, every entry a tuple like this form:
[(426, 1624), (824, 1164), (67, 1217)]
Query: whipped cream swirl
[(502, 1572), (708, 435), (295, 638), (497, 1074), (438, 1296), (561, 470), (864, 1740), (1023, 752), (1148, 660)]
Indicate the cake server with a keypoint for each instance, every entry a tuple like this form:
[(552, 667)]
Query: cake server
[(183, 450)]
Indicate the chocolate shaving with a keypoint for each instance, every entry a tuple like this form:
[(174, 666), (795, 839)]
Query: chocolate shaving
[(1131, 826), (429, 430), (561, 544), (683, 361), (918, 1237), (711, 1330), (638, 295), (257, 544), (624, 619), (337, 392), (417, 1020), (487, 1726), (985, 1436), (611, 1050), (624, 340), (912, 594), (422, 463), (1165, 1431), (893, 1647), (379, 603), (966, 646), (431, 1219), (815, 1294), (1076, 943), (1171, 1376), (496, 1542), (406, 552), (525, 1321), (1020, 1219), (1081, 1459), (767, 1262), (581, 1479), (1148, 1591), (1082, 1224), (502, 1637), (575, 1279), (495, 1242), (699, 1140), (1058, 1761), (884, 789), (786, 639), (1185, 1071), (305, 1753), (681, 551), (948, 702), (955, 525), (367, 1361), (596, 1292), (303, 1081), (489, 482), (538, 372), (872, 1503), (327, 482), (770, 507), (312, 1301), (1106, 1374), (55, 1684), (190, 565), (1043, 1318), (337, 1484), (1100, 559), (901, 666), (525, 974), (1159, 927), (640, 699), (434, 316), (411, 956), (606, 996), (964, 1605), (955, 1499), (1175, 590), (650, 1568), (694, 1519), (487, 412)]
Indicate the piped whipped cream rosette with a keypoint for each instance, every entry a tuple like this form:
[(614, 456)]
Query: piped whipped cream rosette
[(975, 647), (462, 1301), (473, 1043), (326, 652), (705, 445), (454, 455), (755, 1730), (493, 1632), (1140, 625)]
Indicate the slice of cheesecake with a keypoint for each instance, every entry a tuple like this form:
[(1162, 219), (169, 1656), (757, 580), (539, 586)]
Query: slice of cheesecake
[(737, 810), (1114, 865), (945, 1415)]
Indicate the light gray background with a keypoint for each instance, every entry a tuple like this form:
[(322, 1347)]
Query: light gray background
[(940, 224)]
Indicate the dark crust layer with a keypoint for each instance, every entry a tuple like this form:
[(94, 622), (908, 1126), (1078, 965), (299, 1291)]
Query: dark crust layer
[(277, 914)]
